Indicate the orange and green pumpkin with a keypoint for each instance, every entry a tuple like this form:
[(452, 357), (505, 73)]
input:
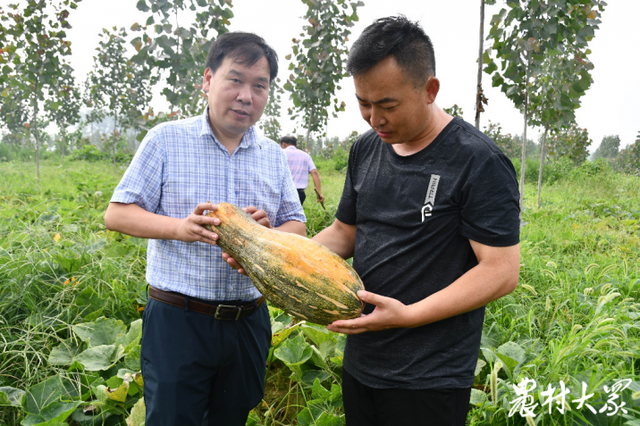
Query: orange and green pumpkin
[(294, 273)]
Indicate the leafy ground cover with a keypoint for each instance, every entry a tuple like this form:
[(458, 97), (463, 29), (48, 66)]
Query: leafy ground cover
[(72, 293)]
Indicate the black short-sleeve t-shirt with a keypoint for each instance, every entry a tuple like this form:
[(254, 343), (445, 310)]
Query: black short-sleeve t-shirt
[(415, 216)]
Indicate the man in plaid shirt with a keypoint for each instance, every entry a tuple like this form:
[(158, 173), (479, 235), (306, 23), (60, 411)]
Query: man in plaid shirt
[(206, 331)]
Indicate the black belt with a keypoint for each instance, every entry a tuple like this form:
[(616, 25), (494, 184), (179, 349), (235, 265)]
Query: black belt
[(219, 311)]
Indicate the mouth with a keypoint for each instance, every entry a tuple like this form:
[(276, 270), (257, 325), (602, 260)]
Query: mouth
[(240, 113), (383, 135)]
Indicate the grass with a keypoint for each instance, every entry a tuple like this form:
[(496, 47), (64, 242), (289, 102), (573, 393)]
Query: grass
[(576, 308), (575, 316)]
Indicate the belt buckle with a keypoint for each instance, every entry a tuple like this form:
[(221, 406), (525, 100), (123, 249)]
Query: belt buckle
[(217, 314)]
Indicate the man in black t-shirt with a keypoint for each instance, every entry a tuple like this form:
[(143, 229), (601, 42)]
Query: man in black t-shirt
[(430, 214)]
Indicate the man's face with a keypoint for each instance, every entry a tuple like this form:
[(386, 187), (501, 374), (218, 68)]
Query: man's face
[(392, 104), (237, 95)]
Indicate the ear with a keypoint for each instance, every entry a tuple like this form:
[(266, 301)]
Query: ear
[(206, 81), (432, 87)]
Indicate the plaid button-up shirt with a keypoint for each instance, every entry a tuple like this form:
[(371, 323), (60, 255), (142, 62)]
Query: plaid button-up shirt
[(181, 164)]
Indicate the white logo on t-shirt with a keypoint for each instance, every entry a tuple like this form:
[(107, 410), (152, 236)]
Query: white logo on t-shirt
[(430, 198)]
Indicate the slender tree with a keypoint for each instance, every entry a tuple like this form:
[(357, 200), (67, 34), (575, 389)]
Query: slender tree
[(481, 99), (270, 122), (609, 148), (117, 86), (628, 161), (35, 66), (572, 142), (66, 113), (318, 58), (564, 79), (523, 34)]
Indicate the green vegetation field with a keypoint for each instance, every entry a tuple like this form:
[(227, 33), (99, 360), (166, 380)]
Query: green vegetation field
[(72, 294)]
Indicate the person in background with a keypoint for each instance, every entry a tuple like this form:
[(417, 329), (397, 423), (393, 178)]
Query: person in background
[(206, 329), (430, 215), (301, 165)]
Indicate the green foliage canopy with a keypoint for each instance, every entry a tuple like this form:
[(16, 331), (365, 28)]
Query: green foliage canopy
[(628, 160), (572, 143), (176, 53), (318, 59), (609, 147), (270, 123), (35, 75), (117, 86)]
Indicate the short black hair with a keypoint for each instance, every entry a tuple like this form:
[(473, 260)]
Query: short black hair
[(289, 140), (244, 48), (394, 36)]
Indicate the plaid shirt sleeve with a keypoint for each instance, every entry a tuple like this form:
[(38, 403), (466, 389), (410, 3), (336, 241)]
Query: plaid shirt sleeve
[(141, 184)]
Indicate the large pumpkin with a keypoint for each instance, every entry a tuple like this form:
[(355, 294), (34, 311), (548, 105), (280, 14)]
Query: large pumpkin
[(294, 273)]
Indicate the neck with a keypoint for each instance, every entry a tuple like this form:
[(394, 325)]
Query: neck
[(230, 142), (436, 124)]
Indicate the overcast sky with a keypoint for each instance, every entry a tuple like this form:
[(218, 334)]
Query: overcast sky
[(610, 107)]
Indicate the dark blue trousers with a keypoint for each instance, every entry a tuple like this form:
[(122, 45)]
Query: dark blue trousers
[(199, 371)]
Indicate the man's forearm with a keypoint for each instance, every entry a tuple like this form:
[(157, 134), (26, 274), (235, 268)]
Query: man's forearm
[(133, 220), (339, 238), (315, 176), (293, 227)]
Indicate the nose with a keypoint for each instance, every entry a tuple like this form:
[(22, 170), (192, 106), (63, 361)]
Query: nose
[(376, 119), (244, 94)]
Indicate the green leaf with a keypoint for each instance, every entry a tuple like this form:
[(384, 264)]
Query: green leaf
[(280, 333), (103, 331), (142, 6), (317, 333), (43, 394), (133, 336), (513, 350), (10, 396), (508, 362), (98, 358), (478, 397), (53, 414), (137, 415), (64, 353), (120, 393), (294, 351), (308, 374), (490, 68), (91, 302), (316, 416), (333, 396)]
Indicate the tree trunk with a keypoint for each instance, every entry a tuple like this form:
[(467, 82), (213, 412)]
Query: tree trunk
[(36, 134), (62, 145), (542, 146), (309, 124), (479, 94), (524, 144), (114, 142)]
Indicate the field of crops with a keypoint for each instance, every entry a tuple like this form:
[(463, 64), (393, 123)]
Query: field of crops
[(72, 294)]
